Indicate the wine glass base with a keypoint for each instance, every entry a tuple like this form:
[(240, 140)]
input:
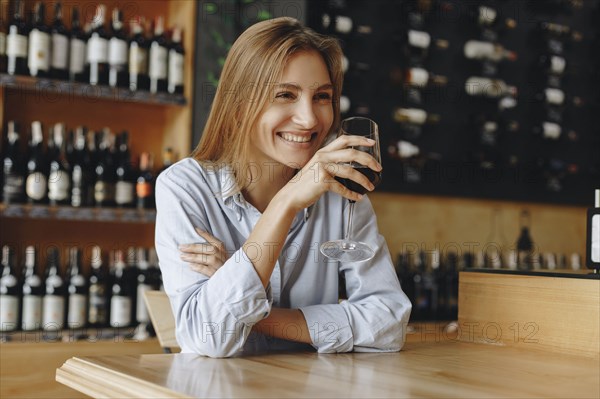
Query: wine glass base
[(347, 251)]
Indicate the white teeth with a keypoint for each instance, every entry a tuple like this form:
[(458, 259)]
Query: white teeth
[(294, 138)]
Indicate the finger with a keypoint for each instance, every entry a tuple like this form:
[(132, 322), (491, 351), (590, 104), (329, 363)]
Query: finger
[(208, 237), (203, 258), (203, 269), (340, 189), (348, 155), (347, 140), (199, 248), (348, 172)]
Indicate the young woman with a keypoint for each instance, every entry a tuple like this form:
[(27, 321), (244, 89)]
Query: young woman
[(239, 223)]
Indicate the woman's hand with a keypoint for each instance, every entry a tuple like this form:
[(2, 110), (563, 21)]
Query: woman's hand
[(205, 258), (331, 161)]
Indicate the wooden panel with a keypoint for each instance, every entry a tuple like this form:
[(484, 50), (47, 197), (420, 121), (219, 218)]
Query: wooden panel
[(447, 369), (555, 314), (28, 369), (409, 221)]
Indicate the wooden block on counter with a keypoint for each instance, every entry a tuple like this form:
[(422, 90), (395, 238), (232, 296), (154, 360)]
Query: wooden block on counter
[(555, 314)]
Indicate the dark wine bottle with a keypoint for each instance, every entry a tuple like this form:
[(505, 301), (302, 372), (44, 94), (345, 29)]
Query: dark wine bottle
[(77, 291), (125, 186), (59, 65), (81, 189), (33, 291), (10, 291), (98, 293), (144, 187), (157, 67), (176, 63), (53, 303), (117, 52), (13, 171), (17, 42), (36, 184), (77, 49), (138, 58), (59, 179), (38, 56), (168, 157), (97, 50), (121, 296), (104, 186)]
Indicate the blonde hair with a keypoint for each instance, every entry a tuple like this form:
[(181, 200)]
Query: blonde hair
[(254, 63)]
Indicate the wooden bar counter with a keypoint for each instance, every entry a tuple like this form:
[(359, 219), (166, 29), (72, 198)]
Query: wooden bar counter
[(431, 365)]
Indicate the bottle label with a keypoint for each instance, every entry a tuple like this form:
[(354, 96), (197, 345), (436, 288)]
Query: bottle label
[(103, 191), (595, 237), (419, 77), (141, 312), (138, 60), (13, 186), (53, 312), (2, 43), (143, 190), (97, 304), (32, 312), (60, 51), (9, 312), (555, 96), (117, 52), (120, 311), (77, 56), (175, 68), (39, 52), (158, 61), (419, 39), (58, 185), (557, 65), (36, 186), (551, 130), (97, 49), (77, 309), (16, 45), (124, 193), (411, 115)]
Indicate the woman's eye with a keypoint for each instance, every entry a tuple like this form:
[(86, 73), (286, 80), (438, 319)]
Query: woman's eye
[(323, 97), (286, 95)]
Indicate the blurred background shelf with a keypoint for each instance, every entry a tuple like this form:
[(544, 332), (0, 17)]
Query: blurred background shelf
[(68, 213)]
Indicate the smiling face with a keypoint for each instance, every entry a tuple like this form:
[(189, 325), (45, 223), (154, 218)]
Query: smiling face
[(298, 115)]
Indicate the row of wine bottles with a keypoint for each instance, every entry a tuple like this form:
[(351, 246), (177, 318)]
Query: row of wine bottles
[(93, 54), (83, 168), (431, 280), (105, 297)]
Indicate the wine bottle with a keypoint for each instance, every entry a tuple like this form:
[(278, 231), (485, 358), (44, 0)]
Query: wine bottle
[(176, 63), (556, 97), (486, 87), (36, 184), (98, 292), (38, 56), (77, 291), (144, 187), (415, 116), (77, 49), (479, 50), (157, 68), (552, 64), (525, 243), (104, 186), (59, 179), (59, 66), (593, 235), (125, 185), (403, 150), (552, 131), (10, 291), (344, 25), (121, 298), (144, 283), (17, 42), (417, 77), (33, 291), (168, 157), (80, 172), (13, 171), (117, 53), (97, 50), (138, 58), (53, 303), (154, 269), (3, 60)]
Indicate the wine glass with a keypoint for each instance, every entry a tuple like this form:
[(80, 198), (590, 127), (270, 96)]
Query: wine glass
[(348, 250)]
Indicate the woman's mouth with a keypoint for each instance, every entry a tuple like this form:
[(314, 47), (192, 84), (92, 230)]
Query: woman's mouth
[(297, 138)]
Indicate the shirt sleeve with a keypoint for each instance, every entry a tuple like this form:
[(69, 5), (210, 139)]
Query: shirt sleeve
[(213, 316), (375, 316)]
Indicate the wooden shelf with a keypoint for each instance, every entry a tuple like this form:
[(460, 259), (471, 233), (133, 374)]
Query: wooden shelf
[(86, 91), (68, 213)]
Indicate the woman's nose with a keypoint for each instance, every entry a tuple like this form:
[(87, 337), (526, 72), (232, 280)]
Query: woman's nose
[(304, 114)]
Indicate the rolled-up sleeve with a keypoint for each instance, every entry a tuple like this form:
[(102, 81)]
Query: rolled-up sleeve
[(375, 316), (213, 316)]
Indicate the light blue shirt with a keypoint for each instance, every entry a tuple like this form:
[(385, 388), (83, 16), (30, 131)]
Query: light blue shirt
[(214, 316)]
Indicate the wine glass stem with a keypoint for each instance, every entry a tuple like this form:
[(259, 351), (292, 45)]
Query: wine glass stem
[(350, 218)]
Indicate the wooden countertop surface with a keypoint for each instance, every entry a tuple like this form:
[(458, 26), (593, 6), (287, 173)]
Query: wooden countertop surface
[(423, 369)]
